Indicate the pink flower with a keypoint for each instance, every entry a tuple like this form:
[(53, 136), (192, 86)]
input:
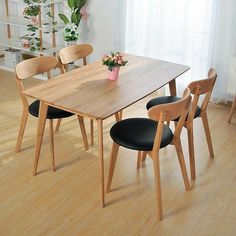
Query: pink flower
[(105, 58), (113, 60)]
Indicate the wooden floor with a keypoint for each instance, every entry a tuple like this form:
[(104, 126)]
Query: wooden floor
[(67, 202)]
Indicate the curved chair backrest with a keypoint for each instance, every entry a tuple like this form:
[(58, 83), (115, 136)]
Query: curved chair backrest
[(169, 112), (35, 66), (74, 53), (202, 87), (205, 85), (30, 68)]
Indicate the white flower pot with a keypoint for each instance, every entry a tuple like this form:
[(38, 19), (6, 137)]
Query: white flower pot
[(70, 43)]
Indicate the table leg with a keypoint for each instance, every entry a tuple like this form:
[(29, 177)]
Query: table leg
[(172, 87), (101, 162), (41, 126)]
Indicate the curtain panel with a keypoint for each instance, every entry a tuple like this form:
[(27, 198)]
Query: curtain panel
[(200, 34)]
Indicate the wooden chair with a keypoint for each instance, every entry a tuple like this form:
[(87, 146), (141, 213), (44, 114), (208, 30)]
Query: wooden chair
[(150, 135), (71, 54), (197, 88), (232, 110), (74, 53), (30, 68)]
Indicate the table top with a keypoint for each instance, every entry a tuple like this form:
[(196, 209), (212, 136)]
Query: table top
[(87, 90)]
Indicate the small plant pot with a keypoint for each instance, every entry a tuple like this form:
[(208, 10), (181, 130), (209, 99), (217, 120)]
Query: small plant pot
[(70, 43), (113, 75)]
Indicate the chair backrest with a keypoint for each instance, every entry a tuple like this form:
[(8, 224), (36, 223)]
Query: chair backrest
[(201, 87), (30, 68), (74, 53), (169, 112)]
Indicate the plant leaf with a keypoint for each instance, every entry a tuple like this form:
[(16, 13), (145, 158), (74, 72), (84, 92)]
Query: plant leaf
[(64, 18), (82, 2), (75, 18), (110, 68), (73, 4)]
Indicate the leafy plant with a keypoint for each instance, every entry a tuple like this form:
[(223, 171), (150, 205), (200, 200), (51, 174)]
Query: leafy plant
[(31, 12), (71, 32), (75, 6)]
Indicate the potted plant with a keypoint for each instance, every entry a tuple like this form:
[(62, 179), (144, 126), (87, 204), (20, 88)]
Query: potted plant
[(114, 62), (71, 34), (31, 12)]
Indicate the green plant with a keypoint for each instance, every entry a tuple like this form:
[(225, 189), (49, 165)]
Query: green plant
[(71, 32), (31, 12), (75, 6)]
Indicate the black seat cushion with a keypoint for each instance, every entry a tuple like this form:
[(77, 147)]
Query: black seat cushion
[(169, 99), (139, 134), (53, 113)]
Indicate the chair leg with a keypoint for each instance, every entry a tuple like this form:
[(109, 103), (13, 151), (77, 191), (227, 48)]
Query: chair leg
[(23, 122), (157, 176), (207, 132), (91, 132), (144, 156), (232, 110), (139, 159), (191, 152), (114, 153), (83, 131), (180, 154), (117, 116), (120, 114), (58, 124), (52, 144), (175, 123)]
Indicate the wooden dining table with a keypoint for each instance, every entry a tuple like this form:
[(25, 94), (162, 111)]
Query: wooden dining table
[(87, 92)]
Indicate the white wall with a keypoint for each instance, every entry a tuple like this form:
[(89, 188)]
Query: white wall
[(98, 30)]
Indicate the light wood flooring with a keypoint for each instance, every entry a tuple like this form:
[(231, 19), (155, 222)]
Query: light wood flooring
[(67, 202)]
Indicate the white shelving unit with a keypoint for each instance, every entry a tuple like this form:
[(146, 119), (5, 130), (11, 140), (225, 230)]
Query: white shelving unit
[(19, 21), (48, 2)]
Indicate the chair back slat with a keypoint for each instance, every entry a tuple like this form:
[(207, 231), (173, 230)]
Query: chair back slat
[(202, 87), (35, 66), (74, 53), (206, 85)]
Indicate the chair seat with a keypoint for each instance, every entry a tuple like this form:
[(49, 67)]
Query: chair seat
[(139, 134), (53, 113), (169, 99)]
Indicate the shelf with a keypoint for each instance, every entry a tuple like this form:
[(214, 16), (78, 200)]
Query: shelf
[(42, 4), (14, 43), (46, 32), (14, 20), (22, 22)]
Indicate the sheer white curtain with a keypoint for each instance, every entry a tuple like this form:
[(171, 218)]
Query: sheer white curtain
[(200, 34)]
